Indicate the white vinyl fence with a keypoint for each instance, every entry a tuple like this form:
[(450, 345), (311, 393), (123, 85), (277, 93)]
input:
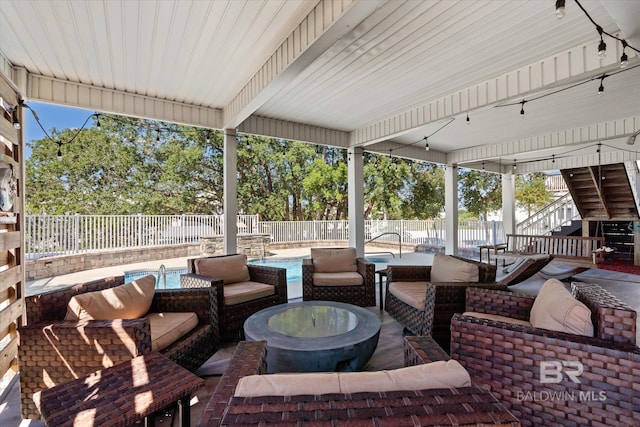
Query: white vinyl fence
[(49, 235)]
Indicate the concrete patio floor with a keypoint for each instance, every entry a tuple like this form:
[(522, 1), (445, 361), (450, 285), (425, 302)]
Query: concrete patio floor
[(625, 286)]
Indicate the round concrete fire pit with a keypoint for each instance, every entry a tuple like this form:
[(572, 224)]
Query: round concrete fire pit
[(315, 336)]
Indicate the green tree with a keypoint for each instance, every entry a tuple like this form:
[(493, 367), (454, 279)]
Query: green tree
[(385, 186), (426, 196), (531, 192), (481, 192)]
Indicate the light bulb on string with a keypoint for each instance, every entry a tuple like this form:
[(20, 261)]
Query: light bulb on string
[(560, 11), (426, 147), (522, 108), (601, 88), (624, 59), (468, 119), (602, 47)]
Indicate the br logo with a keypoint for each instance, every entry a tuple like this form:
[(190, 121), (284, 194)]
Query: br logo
[(554, 371)]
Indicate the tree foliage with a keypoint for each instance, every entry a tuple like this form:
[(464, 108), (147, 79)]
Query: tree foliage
[(531, 192), (129, 166), (481, 192)]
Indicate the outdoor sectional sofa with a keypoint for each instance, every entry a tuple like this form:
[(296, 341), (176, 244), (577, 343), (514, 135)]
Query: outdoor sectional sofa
[(552, 377), (465, 405), (53, 350)]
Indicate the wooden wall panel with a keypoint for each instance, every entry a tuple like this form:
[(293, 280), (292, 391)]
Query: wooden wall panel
[(11, 232)]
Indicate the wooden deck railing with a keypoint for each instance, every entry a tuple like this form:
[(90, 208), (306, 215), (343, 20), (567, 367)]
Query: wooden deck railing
[(572, 250)]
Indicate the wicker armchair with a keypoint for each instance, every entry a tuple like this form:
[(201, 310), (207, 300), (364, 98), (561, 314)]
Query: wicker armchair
[(53, 351), (507, 359), (232, 315), (448, 299), (357, 290)]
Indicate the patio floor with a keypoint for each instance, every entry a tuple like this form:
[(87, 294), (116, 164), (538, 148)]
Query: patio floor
[(388, 354)]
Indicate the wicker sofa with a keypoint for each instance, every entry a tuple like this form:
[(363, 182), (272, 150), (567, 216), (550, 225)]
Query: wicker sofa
[(53, 351), (508, 359), (461, 406)]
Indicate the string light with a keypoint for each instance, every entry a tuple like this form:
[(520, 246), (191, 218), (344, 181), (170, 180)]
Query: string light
[(624, 60), (601, 88), (560, 11), (515, 165), (15, 119), (553, 158), (468, 120), (522, 108), (602, 47), (426, 140)]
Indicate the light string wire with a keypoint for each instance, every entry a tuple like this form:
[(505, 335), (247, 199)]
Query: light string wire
[(544, 95), (600, 29), (404, 146)]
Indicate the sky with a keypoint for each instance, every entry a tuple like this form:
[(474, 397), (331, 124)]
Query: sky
[(52, 116)]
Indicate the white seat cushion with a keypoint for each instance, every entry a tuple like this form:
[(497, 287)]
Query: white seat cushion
[(348, 278), (167, 328), (412, 293), (240, 292), (441, 374)]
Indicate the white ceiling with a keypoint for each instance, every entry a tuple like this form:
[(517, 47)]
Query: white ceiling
[(378, 74)]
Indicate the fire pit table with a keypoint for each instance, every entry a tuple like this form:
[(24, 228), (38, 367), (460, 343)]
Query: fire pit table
[(315, 336)]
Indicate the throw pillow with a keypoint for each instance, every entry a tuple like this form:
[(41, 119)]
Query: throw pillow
[(557, 310), (129, 301)]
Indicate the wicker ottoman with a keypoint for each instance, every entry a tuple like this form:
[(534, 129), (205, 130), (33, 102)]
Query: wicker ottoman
[(120, 395)]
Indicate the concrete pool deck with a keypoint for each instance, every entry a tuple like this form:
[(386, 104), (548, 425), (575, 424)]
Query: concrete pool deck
[(50, 283)]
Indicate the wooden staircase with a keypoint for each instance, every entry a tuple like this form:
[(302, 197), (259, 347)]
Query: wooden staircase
[(602, 193)]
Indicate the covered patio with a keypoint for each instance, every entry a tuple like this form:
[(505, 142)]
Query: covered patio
[(495, 85)]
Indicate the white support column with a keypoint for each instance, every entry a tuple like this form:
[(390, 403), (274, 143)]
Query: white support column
[(230, 190), (451, 209), (508, 203), (356, 199)]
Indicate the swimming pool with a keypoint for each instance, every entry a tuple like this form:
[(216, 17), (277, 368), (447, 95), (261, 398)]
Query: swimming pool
[(292, 265)]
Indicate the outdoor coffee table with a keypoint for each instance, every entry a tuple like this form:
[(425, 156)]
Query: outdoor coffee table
[(120, 395), (315, 336)]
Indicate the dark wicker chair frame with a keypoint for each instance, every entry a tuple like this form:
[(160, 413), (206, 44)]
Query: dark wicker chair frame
[(442, 407), (231, 318), (448, 299), (363, 295), (506, 359), (53, 351)]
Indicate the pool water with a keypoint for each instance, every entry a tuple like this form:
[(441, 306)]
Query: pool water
[(292, 265)]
